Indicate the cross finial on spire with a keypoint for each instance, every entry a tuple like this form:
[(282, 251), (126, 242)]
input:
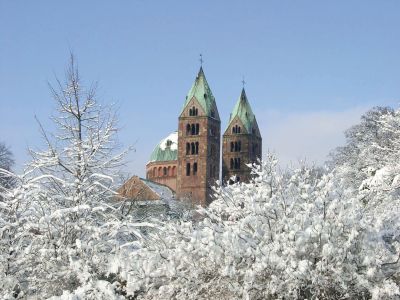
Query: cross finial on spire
[(243, 82), (201, 60)]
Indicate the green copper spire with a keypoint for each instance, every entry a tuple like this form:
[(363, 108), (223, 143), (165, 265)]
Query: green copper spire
[(201, 91), (242, 110)]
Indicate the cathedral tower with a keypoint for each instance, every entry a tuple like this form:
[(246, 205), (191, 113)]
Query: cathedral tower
[(241, 142), (199, 130)]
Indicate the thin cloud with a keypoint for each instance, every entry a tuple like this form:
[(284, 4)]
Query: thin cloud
[(306, 135)]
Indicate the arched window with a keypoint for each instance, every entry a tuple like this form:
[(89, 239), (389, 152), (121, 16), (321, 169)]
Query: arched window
[(232, 164), (187, 129), (232, 146), (236, 129), (239, 146), (193, 129), (197, 129), (165, 172), (169, 171), (187, 148), (195, 168), (193, 148), (237, 163), (173, 171), (193, 111), (197, 148), (188, 169), (159, 172)]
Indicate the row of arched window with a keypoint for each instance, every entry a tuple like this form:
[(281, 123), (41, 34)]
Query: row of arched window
[(192, 148), (162, 171), (236, 129), (192, 129), (189, 171), (235, 163), (236, 146), (193, 111)]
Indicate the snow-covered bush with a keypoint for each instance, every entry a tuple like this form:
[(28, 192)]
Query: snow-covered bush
[(291, 235)]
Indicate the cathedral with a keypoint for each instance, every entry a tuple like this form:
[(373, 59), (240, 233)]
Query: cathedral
[(188, 161)]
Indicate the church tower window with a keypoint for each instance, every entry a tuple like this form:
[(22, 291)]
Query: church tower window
[(193, 111), (193, 131), (188, 169), (187, 129), (195, 168), (187, 148)]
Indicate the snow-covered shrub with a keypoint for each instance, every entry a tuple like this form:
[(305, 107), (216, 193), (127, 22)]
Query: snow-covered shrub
[(291, 235)]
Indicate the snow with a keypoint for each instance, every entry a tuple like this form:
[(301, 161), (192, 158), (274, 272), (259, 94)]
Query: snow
[(163, 191), (173, 137)]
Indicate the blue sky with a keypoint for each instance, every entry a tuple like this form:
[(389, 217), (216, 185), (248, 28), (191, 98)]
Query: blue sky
[(311, 67)]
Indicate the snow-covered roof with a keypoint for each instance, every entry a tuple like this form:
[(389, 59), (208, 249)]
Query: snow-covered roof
[(162, 191)]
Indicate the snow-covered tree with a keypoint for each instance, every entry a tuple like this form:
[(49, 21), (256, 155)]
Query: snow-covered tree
[(368, 147), (6, 163), (58, 226)]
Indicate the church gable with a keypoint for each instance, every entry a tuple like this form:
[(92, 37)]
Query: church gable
[(236, 126), (192, 109)]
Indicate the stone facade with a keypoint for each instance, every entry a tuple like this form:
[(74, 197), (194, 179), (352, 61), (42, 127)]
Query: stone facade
[(198, 166), (163, 172)]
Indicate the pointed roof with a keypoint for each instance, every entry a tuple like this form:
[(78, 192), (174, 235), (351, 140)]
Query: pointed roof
[(201, 91), (243, 111)]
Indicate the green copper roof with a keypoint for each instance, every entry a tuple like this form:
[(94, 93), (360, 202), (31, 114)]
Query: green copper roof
[(167, 149), (243, 111), (202, 92)]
